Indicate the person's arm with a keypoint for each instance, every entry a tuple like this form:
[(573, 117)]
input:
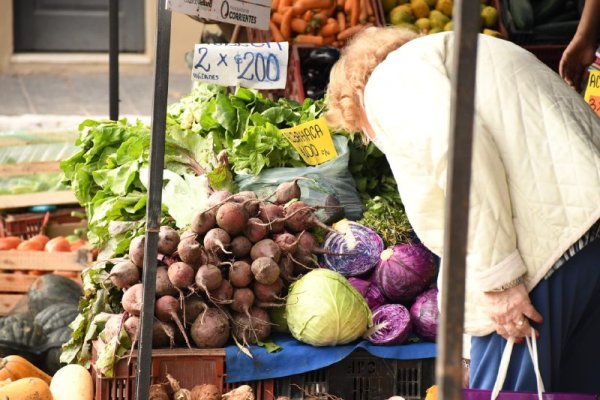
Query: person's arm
[(579, 54)]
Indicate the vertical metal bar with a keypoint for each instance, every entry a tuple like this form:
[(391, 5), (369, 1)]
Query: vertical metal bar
[(448, 365), (153, 206), (113, 59)]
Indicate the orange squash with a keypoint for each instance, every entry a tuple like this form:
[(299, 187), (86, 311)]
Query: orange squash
[(26, 389), (16, 367)]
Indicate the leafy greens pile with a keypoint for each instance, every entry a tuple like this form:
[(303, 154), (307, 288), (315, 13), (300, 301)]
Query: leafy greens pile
[(209, 133)]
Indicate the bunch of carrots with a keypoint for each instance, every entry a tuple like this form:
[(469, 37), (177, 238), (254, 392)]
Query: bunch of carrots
[(319, 22)]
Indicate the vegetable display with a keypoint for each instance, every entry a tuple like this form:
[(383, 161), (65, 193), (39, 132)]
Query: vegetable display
[(323, 309)]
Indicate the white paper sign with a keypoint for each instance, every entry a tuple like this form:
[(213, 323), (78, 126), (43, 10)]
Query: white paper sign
[(253, 14), (250, 65)]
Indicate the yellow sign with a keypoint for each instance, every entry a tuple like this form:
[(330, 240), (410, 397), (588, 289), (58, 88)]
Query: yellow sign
[(592, 92), (312, 140)]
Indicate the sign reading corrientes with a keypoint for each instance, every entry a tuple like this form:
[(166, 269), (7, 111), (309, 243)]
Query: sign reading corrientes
[(592, 92), (312, 140), (253, 13), (250, 65)]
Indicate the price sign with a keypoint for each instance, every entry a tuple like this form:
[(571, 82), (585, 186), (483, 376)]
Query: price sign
[(251, 65), (312, 140), (592, 92), (253, 14)]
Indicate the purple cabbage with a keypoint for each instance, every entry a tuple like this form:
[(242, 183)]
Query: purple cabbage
[(361, 285), (375, 297), (391, 325), (424, 314), (404, 271), (354, 249)]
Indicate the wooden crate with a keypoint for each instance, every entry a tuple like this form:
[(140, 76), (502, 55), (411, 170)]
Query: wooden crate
[(15, 267)]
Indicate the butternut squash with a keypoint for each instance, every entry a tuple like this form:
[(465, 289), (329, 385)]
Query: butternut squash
[(72, 382), (16, 367), (26, 389)]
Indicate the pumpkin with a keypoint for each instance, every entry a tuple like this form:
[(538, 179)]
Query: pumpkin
[(56, 316), (19, 333), (16, 367), (26, 389), (72, 382), (56, 339), (51, 289)]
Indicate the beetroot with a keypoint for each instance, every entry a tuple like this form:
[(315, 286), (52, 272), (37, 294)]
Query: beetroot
[(181, 275), (204, 221), (266, 248), (216, 240), (166, 309), (218, 197), (136, 250), (299, 217), (265, 270), (190, 251), (232, 217), (243, 299), (223, 293), (168, 239), (124, 274), (256, 230), (287, 191), (273, 214), (209, 277), (193, 306), (163, 283), (210, 330), (287, 242), (268, 293), (253, 328), (240, 274), (240, 246), (132, 299)]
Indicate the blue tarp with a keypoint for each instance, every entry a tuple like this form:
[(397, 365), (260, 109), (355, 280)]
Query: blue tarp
[(296, 357)]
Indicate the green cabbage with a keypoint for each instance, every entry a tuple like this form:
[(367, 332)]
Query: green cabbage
[(323, 309)]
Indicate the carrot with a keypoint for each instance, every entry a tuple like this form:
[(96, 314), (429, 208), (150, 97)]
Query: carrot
[(276, 33), (336, 43), (321, 16), (310, 39), (308, 15), (348, 32), (328, 40), (348, 6), (369, 8), (274, 4), (354, 12), (362, 16), (340, 4), (286, 22), (331, 9), (277, 18), (341, 19), (10, 242), (283, 3), (315, 4), (298, 25), (331, 28)]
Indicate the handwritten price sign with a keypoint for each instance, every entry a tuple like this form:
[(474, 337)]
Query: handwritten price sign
[(251, 65), (592, 92), (253, 13), (312, 140)]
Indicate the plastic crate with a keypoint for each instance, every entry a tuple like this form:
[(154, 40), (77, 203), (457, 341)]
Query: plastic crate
[(27, 225), (190, 367), (362, 376)]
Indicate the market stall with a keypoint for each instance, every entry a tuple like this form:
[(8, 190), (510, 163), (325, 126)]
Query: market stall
[(153, 194)]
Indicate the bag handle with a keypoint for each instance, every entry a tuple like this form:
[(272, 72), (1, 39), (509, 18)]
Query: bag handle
[(504, 361)]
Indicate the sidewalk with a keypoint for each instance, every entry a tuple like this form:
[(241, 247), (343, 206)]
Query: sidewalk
[(62, 99)]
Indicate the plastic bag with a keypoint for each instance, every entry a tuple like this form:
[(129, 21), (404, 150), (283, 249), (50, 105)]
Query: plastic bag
[(331, 178)]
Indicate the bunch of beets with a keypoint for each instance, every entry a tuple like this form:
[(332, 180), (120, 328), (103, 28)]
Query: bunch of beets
[(219, 277)]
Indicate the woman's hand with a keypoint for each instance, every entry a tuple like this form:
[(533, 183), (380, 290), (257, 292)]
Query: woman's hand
[(511, 311), (578, 55)]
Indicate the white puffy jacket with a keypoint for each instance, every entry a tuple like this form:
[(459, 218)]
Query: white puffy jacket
[(535, 185)]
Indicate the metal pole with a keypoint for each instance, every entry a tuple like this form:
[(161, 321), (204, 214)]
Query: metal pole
[(448, 365), (113, 59), (153, 206)]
